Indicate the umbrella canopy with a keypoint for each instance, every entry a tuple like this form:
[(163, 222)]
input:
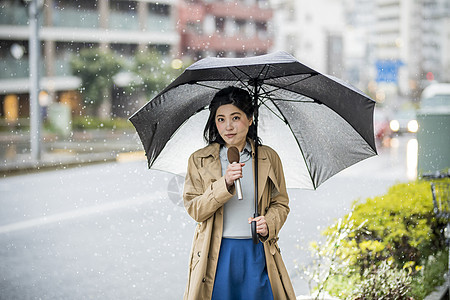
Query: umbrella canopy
[(329, 121)]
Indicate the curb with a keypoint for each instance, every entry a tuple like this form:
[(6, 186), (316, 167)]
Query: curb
[(58, 161), (82, 148)]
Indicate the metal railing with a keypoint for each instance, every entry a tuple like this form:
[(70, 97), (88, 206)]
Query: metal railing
[(441, 201)]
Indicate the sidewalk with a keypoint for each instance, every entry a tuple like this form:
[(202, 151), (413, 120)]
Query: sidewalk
[(82, 147)]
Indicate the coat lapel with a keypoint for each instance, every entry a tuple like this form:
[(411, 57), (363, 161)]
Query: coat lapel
[(211, 169), (263, 172)]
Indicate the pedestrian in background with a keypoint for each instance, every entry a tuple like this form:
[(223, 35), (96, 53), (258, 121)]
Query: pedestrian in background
[(224, 261)]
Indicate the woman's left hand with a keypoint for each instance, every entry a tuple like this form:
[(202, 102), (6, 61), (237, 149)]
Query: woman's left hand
[(261, 225)]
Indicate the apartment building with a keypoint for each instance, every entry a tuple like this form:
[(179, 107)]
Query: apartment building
[(435, 40), (68, 26), (396, 47), (224, 28), (312, 31), (412, 38)]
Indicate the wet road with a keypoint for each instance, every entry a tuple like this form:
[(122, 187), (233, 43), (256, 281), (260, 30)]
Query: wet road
[(118, 231)]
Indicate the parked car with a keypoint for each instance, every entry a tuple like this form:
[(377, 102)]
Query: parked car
[(381, 126), (404, 121)]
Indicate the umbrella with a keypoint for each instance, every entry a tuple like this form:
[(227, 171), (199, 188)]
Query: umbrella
[(331, 122)]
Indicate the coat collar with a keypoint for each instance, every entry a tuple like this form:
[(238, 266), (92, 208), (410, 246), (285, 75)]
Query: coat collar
[(210, 150), (213, 150)]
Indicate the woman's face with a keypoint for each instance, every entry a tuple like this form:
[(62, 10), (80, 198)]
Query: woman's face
[(232, 124)]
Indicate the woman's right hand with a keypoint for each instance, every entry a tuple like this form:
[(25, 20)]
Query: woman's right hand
[(233, 172)]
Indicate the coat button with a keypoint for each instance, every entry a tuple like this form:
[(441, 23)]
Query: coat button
[(198, 253), (204, 280)]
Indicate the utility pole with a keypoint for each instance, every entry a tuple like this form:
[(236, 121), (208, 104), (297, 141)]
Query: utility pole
[(34, 45)]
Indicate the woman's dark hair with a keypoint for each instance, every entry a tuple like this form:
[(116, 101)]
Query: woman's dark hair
[(229, 95)]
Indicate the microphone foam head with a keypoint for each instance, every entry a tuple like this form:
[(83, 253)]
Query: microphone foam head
[(233, 155)]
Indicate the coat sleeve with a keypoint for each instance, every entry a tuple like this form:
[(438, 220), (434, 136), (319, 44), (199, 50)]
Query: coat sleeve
[(202, 199), (278, 209)]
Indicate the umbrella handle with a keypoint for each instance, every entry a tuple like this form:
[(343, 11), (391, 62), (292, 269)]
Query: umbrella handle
[(255, 236)]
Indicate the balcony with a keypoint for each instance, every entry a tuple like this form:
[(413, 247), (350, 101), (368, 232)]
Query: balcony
[(160, 23), (14, 68), (190, 13), (72, 17), (14, 14), (17, 68), (222, 43), (123, 20), (239, 11), (389, 26)]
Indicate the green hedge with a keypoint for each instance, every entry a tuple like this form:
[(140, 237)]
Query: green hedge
[(388, 243), (399, 224)]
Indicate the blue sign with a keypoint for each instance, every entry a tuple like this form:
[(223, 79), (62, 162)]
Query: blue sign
[(387, 70)]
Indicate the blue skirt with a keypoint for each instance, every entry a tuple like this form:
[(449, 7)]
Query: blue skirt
[(241, 271)]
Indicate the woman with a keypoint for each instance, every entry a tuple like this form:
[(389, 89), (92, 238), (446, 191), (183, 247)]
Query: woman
[(224, 262)]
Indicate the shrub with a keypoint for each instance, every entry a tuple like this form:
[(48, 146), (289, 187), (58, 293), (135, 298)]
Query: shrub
[(329, 272), (383, 281), (388, 241), (431, 275), (400, 224)]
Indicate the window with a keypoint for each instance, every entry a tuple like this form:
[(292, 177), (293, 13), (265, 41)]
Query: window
[(240, 27), (220, 24)]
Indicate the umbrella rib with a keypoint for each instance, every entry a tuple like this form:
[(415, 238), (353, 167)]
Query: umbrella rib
[(247, 84), (295, 82), (208, 86), (299, 146), (237, 77), (283, 119), (266, 94), (275, 113), (265, 68), (293, 100)]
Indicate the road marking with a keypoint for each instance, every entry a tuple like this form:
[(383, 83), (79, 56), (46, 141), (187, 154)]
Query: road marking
[(78, 213)]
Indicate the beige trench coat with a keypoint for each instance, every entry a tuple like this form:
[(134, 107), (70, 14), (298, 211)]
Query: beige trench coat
[(204, 195)]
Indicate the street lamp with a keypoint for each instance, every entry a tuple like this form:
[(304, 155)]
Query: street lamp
[(34, 10)]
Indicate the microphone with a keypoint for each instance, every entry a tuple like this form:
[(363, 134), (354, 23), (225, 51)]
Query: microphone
[(233, 157)]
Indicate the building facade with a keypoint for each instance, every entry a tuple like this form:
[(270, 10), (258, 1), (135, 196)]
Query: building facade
[(408, 46), (186, 29), (224, 28), (312, 31), (67, 26), (411, 42), (435, 40), (389, 48)]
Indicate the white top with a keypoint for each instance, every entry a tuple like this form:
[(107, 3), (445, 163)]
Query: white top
[(236, 212)]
